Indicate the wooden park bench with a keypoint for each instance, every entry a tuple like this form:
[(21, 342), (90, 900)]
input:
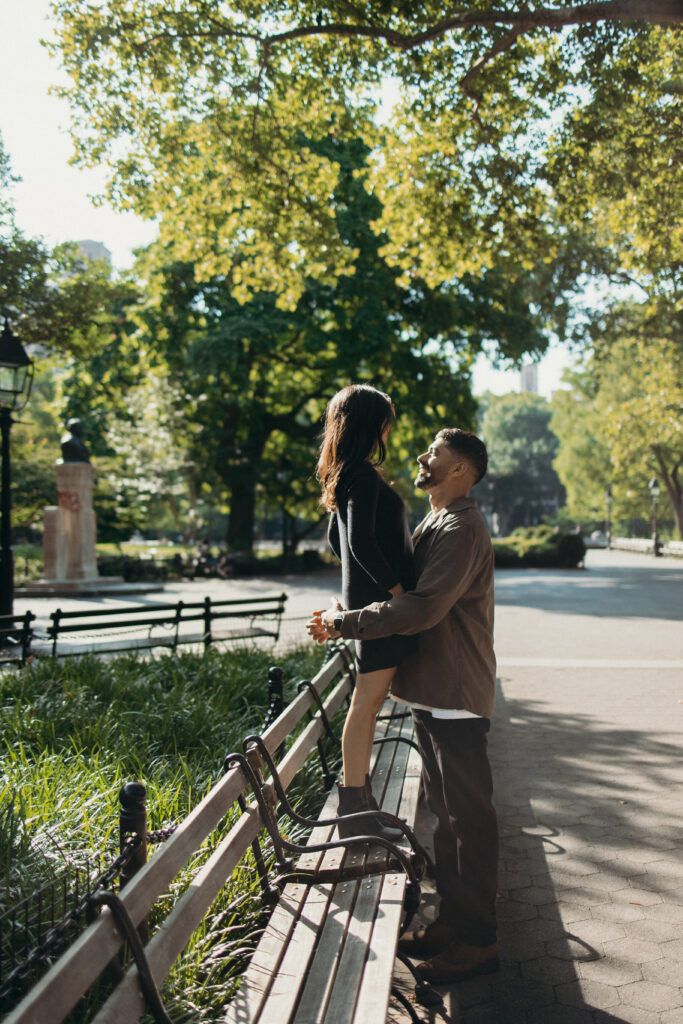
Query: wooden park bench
[(328, 951), (16, 634), (145, 627)]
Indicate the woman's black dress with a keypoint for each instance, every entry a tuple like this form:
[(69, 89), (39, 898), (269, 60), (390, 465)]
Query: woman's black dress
[(369, 533)]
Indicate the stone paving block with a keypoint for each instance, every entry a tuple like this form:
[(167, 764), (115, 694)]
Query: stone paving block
[(515, 879), (519, 949), (596, 931), (539, 930), (675, 896), (568, 912), (634, 950), (587, 993), (514, 910), (665, 971), (649, 995), (644, 897), (673, 948), (523, 994), (625, 1014), (610, 972), (618, 911), (537, 894), (560, 1014), (657, 931), (493, 1014), (573, 948), (581, 894), (672, 912), (673, 1016), (550, 969), (572, 868)]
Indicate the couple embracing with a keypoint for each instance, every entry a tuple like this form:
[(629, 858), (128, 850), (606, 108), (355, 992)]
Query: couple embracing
[(421, 612)]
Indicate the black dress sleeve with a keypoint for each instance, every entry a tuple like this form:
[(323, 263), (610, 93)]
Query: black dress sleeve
[(361, 525), (333, 535)]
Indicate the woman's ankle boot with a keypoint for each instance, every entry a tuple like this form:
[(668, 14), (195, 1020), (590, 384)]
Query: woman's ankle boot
[(394, 835), (352, 800)]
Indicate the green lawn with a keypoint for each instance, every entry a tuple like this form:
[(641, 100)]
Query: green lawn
[(73, 733)]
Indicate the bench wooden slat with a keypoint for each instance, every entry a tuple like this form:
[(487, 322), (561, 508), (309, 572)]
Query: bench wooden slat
[(246, 1003), (168, 943), (373, 997), (52, 998), (341, 1002)]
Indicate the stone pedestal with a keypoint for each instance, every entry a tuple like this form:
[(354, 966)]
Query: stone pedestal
[(69, 528)]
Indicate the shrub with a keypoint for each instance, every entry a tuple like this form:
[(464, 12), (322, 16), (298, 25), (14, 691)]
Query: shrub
[(539, 547)]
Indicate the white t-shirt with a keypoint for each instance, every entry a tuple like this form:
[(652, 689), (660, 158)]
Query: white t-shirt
[(438, 712)]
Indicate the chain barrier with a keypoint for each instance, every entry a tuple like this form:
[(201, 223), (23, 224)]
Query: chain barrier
[(160, 835), (55, 935)]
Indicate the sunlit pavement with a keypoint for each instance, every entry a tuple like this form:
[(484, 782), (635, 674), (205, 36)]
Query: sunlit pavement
[(586, 749)]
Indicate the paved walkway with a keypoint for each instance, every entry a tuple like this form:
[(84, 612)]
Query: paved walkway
[(586, 748)]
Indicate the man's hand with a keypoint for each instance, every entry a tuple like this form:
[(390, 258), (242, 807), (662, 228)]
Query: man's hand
[(321, 626)]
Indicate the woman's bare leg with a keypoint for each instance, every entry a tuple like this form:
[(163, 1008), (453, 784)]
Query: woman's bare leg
[(359, 728)]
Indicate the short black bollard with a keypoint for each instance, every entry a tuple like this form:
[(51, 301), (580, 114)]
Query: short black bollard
[(275, 692), (133, 819)]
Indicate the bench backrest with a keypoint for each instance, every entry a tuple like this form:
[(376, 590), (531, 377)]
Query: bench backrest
[(55, 995), (164, 614)]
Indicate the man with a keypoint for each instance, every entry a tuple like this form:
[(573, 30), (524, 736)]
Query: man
[(450, 684)]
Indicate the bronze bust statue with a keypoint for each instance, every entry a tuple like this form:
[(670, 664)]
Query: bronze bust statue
[(73, 447)]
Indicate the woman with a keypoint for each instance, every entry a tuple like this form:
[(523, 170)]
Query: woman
[(368, 532)]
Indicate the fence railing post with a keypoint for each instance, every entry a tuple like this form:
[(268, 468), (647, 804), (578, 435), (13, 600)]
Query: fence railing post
[(207, 623), (275, 701), (133, 818)]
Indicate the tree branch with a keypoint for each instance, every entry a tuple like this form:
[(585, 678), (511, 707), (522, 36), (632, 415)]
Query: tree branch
[(656, 12)]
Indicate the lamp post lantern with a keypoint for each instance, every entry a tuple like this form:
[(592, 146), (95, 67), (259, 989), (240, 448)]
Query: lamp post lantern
[(653, 488), (16, 378), (608, 509)]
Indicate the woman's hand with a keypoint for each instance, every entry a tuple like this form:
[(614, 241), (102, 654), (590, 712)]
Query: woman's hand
[(321, 626), (395, 591)]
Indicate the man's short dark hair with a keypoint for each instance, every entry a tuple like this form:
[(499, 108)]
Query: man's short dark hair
[(469, 446)]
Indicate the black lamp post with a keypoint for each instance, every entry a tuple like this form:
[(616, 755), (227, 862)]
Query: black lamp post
[(16, 377), (653, 487), (608, 509)]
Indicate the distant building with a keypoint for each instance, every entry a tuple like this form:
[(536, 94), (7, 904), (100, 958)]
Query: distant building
[(94, 250), (528, 378)]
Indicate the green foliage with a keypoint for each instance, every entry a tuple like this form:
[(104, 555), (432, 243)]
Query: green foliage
[(255, 375), (521, 484), (622, 421), (197, 112), (73, 732), (583, 461), (539, 547)]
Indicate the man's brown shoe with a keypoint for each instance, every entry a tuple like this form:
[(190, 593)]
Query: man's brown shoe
[(458, 963), (429, 941)]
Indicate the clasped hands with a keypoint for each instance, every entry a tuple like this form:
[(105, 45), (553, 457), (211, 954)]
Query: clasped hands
[(321, 626)]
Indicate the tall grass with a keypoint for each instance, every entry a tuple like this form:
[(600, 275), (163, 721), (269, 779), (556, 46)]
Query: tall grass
[(72, 733)]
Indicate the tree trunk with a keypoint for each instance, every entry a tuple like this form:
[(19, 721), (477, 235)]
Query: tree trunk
[(673, 488), (240, 535)]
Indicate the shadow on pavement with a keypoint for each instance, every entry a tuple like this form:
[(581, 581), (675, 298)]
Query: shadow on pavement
[(625, 592), (581, 889)]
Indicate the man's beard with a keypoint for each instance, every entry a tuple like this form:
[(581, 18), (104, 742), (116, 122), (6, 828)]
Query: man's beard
[(423, 479)]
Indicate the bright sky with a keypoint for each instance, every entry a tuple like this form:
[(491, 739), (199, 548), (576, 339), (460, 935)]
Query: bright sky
[(53, 198)]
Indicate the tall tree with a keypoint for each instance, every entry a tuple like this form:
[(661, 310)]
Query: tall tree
[(521, 484), (257, 374), (196, 106), (621, 421)]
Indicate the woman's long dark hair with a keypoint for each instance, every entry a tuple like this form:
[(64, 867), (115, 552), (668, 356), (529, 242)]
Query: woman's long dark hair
[(355, 420)]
